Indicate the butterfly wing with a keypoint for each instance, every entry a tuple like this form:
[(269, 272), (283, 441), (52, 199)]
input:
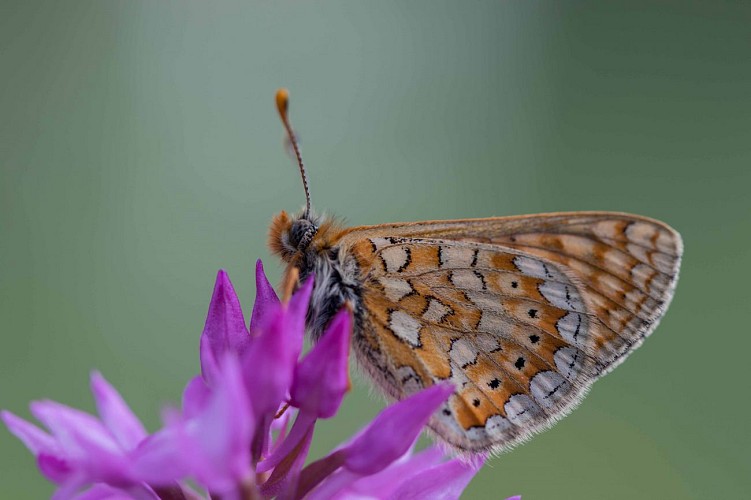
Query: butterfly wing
[(522, 314)]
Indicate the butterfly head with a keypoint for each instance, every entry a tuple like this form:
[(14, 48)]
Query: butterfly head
[(292, 235)]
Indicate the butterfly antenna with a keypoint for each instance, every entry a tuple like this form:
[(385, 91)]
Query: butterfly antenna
[(282, 104)]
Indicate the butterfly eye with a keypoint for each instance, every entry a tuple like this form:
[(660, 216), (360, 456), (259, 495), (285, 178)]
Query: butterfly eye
[(301, 233)]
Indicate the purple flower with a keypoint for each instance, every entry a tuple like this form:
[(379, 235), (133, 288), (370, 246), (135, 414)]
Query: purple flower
[(245, 425), (79, 448)]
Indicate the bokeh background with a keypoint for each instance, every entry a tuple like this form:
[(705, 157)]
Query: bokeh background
[(140, 152)]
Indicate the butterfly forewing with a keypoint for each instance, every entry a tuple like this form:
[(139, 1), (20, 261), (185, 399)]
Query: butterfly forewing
[(522, 314)]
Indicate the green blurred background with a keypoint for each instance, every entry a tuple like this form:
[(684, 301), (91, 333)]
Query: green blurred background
[(140, 152)]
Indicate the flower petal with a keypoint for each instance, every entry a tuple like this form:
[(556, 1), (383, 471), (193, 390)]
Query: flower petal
[(393, 476), (219, 438), (392, 432), (70, 487), (270, 362), (322, 377), (266, 297), (195, 397), (225, 329), (54, 468), (334, 486), (442, 482), (226, 420), (86, 444), (77, 432), (159, 460), (116, 414), (268, 368), (35, 439)]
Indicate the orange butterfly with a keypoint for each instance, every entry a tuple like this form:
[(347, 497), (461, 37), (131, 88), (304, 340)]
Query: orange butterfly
[(521, 313)]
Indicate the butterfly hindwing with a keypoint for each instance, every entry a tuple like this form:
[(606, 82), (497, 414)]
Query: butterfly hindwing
[(468, 313), (521, 314)]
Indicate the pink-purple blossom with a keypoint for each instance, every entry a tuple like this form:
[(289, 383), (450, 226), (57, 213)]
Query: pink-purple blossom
[(246, 423)]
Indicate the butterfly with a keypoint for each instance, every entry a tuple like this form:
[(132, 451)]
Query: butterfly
[(522, 314)]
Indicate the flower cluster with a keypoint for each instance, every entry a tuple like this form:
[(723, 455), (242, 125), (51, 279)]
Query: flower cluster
[(246, 422)]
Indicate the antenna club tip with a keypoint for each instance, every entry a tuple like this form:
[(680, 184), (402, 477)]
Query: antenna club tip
[(282, 101)]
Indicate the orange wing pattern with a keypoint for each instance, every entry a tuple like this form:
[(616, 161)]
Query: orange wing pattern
[(522, 314)]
